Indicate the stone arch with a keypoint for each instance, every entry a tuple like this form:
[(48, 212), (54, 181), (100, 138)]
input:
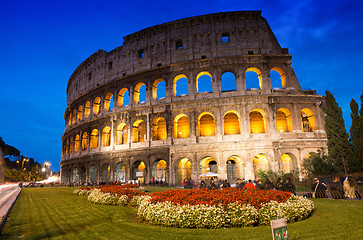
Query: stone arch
[(228, 82), (208, 164), (93, 174), (108, 102), (206, 124), (159, 131), (181, 88), (121, 134), (139, 171), (75, 175), (96, 107), (159, 89), (87, 109), (76, 143), (283, 120), (120, 172), (84, 141), (181, 126), (282, 77), (71, 145), (288, 162), (307, 120), (259, 77), (204, 82), (140, 93), (258, 123), (106, 136), (106, 170), (231, 123), (139, 131), (183, 170), (74, 116), (260, 162), (83, 175), (159, 171), (123, 97), (234, 168), (79, 113), (94, 138)]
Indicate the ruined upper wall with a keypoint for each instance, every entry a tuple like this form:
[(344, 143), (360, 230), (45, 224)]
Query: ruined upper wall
[(200, 37)]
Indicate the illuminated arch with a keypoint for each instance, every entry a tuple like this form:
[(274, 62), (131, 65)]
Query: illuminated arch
[(79, 113), (288, 162), (282, 76), (258, 72), (159, 128), (228, 82), (140, 93), (106, 136), (181, 88), (84, 141), (121, 134), (234, 168), (204, 82), (159, 171), (139, 171), (74, 116), (108, 102), (76, 143), (231, 123), (181, 126), (71, 145), (87, 109), (94, 138), (159, 89), (123, 97), (83, 175), (70, 119), (120, 172), (206, 124), (96, 105), (208, 164), (283, 120), (75, 175), (183, 171), (139, 131), (307, 120), (257, 121), (260, 162)]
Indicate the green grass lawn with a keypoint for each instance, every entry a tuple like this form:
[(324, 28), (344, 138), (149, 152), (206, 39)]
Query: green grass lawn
[(54, 213)]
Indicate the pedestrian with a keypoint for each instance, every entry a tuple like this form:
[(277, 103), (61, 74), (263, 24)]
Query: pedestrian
[(288, 187), (349, 185), (319, 189), (336, 189)]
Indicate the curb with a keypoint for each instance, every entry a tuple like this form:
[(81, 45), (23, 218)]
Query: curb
[(10, 207)]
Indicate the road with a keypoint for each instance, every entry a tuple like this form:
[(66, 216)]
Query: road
[(6, 191)]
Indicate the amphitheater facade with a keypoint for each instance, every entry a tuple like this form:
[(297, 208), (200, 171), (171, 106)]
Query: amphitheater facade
[(187, 97)]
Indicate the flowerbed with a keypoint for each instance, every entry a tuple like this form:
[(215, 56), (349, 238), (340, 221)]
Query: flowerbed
[(205, 208)]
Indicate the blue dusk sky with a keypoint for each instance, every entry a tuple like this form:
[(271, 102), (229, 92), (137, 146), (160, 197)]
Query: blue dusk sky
[(43, 42)]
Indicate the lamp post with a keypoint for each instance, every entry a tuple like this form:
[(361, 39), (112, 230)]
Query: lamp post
[(46, 168), (25, 159)]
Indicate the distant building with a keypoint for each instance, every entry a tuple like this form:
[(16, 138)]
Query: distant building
[(129, 117)]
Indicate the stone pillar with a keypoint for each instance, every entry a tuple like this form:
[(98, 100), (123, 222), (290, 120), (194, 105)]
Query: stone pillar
[(295, 114)]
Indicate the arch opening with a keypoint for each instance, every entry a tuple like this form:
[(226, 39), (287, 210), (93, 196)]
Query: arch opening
[(260, 162), (206, 125), (120, 172), (106, 136), (84, 141), (106, 170), (231, 123), (228, 82), (180, 85), (159, 129), (121, 134), (139, 131), (208, 164), (96, 105), (140, 93), (204, 82), (79, 113), (253, 79), (278, 78), (93, 174), (307, 120), (94, 139), (75, 175), (183, 171), (181, 126), (76, 143), (87, 109), (159, 89), (108, 102), (257, 121), (139, 171), (283, 120), (123, 97), (159, 171)]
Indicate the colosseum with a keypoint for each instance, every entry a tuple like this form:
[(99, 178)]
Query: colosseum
[(211, 93)]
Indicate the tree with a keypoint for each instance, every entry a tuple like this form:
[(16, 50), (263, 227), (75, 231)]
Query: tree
[(339, 149), (318, 165), (356, 136)]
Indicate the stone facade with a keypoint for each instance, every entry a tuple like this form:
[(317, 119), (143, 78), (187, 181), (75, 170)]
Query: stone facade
[(233, 133)]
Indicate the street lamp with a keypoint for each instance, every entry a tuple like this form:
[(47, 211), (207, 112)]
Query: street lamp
[(46, 167), (22, 163)]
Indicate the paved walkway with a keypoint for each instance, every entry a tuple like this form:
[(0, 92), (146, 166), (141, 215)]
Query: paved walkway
[(8, 196)]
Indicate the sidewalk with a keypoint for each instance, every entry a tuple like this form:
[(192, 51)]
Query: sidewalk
[(6, 205)]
